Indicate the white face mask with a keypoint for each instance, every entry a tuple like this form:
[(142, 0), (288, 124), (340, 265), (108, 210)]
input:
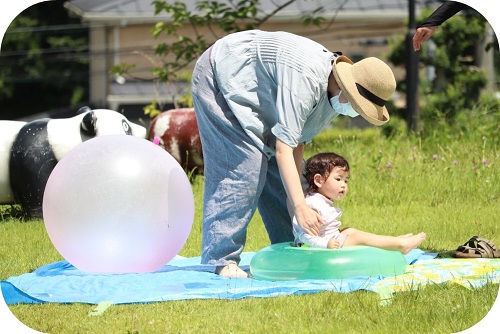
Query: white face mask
[(342, 108)]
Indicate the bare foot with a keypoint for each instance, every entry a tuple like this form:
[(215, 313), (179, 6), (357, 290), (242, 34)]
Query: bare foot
[(412, 242), (405, 235), (231, 270)]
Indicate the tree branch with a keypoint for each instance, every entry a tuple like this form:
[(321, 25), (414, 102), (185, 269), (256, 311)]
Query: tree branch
[(276, 10)]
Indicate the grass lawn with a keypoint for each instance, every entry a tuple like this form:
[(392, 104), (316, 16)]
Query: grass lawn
[(447, 186)]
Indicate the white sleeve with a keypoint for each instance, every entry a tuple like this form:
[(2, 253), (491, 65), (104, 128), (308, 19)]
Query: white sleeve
[(305, 238)]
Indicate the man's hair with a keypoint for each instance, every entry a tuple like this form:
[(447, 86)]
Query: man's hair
[(323, 164)]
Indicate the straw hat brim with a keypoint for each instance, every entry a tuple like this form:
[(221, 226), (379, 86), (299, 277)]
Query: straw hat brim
[(343, 72)]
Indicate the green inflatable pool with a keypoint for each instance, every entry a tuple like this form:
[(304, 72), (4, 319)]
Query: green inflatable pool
[(283, 262)]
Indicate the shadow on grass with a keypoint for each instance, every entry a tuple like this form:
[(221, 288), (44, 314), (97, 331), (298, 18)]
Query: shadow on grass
[(445, 254), (12, 211)]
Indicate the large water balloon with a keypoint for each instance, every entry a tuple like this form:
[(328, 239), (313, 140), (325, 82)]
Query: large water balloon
[(118, 204)]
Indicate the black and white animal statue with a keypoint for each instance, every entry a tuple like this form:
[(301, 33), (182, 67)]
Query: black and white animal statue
[(29, 151)]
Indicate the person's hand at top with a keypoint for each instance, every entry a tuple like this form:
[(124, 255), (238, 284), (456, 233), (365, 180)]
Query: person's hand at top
[(421, 35), (440, 15)]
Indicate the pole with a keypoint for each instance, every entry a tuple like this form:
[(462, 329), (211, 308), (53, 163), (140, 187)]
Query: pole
[(411, 73)]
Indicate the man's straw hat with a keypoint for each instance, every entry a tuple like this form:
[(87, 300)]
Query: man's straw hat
[(367, 85)]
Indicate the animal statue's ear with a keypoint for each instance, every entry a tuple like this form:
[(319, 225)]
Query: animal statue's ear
[(83, 109), (88, 126)]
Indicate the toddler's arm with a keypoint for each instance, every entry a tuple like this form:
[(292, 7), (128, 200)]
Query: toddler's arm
[(311, 240)]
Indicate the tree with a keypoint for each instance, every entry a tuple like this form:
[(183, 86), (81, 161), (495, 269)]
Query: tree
[(44, 56), (210, 18), (458, 80)]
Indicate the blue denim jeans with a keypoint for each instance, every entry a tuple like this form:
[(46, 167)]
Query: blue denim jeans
[(239, 178)]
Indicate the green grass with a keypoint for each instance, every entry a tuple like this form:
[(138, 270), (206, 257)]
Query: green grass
[(447, 185)]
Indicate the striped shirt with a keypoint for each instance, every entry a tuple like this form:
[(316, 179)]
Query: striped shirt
[(276, 85)]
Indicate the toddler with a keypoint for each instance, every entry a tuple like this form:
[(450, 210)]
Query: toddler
[(327, 175)]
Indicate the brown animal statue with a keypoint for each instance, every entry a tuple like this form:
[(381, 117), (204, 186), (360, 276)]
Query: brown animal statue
[(178, 132)]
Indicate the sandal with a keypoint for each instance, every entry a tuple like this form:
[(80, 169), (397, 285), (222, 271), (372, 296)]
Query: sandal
[(477, 248)]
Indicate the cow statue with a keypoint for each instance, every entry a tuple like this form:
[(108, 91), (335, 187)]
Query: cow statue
[(29, 151), (178, 132)]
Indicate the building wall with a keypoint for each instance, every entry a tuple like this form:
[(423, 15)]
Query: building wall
[(135, 44)]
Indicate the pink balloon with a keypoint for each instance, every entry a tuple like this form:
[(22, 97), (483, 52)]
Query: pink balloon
[(118, 204)]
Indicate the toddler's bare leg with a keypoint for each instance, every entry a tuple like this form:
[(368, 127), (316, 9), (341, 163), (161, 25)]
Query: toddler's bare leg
[(404, 244)]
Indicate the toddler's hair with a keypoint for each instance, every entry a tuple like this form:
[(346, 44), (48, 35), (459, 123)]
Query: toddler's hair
[(323, 164)]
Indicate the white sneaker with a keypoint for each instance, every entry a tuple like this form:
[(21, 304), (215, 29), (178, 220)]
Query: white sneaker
[(231, 270)]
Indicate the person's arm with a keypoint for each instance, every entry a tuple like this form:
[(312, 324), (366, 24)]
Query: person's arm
[(298, 156), (427, 28), (443, 13), (307, 218)]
